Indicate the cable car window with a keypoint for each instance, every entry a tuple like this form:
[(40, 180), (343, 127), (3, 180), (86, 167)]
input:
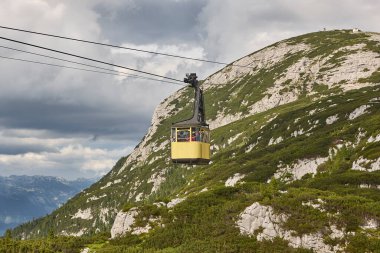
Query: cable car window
[(195, 134), (183, 135), (198, 135)]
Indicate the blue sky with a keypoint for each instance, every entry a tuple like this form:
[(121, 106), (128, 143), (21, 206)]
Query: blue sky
[(69, 123)]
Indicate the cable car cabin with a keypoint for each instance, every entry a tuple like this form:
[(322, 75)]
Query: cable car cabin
[(190, 139), (190, 144)]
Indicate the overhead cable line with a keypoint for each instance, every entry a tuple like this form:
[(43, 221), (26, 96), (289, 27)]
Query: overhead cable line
[(121, 47), (68, 67), (87, 65), (129, 74), (90, 59), (117, 73), (55, 65)]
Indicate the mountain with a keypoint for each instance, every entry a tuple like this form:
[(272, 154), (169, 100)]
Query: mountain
[(24, 198), (295, 161)]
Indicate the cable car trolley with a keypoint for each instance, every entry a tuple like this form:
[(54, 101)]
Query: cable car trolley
[(190, 139)]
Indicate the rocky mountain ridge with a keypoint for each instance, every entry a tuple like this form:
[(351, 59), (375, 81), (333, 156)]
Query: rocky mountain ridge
[(295, 143)]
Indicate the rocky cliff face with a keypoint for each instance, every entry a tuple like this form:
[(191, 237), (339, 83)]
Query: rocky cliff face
[(297, 128), (267, 225)]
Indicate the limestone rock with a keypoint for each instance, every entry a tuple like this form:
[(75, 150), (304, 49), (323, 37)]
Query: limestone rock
[(232, 181), (299, 168), (174, 202), (123, 222), (262, 222), (83, 214)]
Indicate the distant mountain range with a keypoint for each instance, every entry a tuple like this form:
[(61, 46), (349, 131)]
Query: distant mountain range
[(24, 198)]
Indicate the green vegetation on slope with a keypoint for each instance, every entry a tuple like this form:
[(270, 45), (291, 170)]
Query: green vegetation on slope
[(205, 221)]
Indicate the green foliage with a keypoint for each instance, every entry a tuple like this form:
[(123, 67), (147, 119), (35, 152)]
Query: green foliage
[(374, 78), (49, 245), (361, 243)]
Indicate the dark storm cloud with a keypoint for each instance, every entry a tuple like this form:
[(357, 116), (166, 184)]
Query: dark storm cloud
[(146, 21), (20, 148), (72, 119)]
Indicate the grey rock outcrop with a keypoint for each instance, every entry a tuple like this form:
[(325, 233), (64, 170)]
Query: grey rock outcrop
[(262, 222)]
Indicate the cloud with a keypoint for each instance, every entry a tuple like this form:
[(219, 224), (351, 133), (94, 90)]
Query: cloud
[(237, 28), (70, 161), (31, 152), (49, 116), (144, 21), (162, 65), (71, 123)]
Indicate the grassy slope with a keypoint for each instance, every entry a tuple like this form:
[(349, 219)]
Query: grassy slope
[(204, 222)]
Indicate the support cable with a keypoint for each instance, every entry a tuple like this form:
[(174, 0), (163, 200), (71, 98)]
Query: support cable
[(90, 59), (87, 65), (121, 47), (88, 70)]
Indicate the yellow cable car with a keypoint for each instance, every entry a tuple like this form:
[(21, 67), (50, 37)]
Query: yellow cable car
[(190, 144), (190, 139)]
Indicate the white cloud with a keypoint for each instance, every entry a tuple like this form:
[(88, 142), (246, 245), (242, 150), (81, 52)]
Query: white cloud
[(49, 113), (30, 137), (69, 161), (98, 166), (9, 220), (237, 28)]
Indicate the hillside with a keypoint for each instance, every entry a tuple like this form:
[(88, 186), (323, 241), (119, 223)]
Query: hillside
[(295, 164), (23, 198)]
